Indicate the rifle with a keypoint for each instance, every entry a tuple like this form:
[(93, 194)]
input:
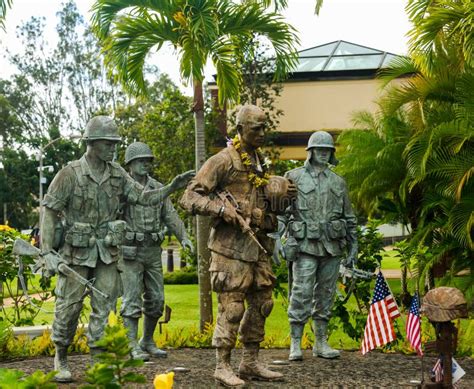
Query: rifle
[(22, 247), (353, 275), (229, 201)]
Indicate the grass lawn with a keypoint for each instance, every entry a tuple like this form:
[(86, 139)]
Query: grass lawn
[(184, 301)]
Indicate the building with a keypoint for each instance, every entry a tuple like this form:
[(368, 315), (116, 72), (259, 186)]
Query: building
[(330, 83)]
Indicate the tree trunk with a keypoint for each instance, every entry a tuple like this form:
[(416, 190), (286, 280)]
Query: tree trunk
[(202, 222)]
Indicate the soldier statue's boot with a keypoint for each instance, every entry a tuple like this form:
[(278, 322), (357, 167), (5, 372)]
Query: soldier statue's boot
[(296, 333), (60, 365), (224, 373), (131, 323), (321, 347), (250, 368), (146, 342)]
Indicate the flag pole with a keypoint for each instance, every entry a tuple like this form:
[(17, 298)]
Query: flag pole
[(417, 291)]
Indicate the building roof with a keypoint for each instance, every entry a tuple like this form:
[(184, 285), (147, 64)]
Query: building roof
[(340, 60), (342, 55)]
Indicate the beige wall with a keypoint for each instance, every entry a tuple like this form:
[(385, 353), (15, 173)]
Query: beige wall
[(325, 105)]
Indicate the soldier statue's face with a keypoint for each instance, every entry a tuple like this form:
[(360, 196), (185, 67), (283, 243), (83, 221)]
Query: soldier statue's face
[(252, 135), (321, 155), (103, 149), (141, 167)]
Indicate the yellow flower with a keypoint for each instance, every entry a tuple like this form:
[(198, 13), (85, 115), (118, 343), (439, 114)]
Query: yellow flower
[(113, 321), (179, 17), (164, 381)]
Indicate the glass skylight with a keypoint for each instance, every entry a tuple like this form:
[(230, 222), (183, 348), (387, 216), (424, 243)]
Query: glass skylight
[(340, 56)]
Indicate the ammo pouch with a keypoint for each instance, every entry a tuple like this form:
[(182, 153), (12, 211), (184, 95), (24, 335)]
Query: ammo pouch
[(58, 240), (144, 238), (313, 231), (115, 233), (80, 235), (336, 229), (129, 252), (298, 230), (290, 247)]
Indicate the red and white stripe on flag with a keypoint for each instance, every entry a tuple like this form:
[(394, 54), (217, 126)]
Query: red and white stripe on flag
[(413, 325), (379, 327), (383, 310)]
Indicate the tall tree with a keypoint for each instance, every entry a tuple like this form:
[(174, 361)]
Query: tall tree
[(200, 30)]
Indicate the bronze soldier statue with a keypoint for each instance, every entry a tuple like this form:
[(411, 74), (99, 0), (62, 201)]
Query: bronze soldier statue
[(230, 187), (324, 227), (86, 195), (141, 268)]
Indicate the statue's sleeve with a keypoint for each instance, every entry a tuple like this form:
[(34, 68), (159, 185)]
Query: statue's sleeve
[(60, 190), (198, 198), (172, 220), (132, 191), (349, 216)]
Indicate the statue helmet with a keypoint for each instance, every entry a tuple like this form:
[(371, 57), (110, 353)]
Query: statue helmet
[(101, 127), (321, 139), (444, 304), (137, 150), (251, 115)]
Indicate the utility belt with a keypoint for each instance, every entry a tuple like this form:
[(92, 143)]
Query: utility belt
[(144, 239), (83, 235), (334, 229)]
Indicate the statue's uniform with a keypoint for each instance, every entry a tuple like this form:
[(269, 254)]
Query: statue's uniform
[(141, 269), (92, 242), (324, 224), (240, 270)]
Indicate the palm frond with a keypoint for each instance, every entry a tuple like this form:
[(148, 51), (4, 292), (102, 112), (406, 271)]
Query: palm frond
[(228, 76), (4, 4), (105, 12), (129, 44)]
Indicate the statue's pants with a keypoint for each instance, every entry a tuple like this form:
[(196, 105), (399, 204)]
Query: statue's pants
[(313, 288), (142, 280), (244, 293), (70, 297)]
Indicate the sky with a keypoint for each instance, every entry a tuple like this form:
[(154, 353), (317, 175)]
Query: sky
[(379, 24)]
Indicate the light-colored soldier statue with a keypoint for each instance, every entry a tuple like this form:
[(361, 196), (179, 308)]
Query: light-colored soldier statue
[(324, 226), (230, 187), (86, 195), (142, 273)]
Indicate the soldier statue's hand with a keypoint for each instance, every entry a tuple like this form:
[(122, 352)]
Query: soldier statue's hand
[(51, 262), (187, 244), (231, 216), (351, 258), (181, 180)]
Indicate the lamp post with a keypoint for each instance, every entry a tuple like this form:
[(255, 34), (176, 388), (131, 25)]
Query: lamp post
[(42, 168)]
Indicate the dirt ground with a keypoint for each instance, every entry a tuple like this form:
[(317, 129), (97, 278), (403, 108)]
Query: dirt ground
[(352, 370)]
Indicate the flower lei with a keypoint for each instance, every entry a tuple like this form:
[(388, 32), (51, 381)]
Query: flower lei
[(255, 176)]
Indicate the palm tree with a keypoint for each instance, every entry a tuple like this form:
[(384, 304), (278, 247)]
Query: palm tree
[(200, 30), (4, 4)]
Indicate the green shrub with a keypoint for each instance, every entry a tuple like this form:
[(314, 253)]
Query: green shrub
[(185, 276)]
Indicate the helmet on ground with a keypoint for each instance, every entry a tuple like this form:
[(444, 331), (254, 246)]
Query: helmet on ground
[(137, 150), (444, 304), (101, 127), (250, 115), (321, 139)]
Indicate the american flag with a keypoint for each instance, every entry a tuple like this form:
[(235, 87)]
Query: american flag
[(413, 325), (437, 372), (383, 310)]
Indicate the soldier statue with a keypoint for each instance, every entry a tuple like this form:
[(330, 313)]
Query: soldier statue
[(324, 227), (141, 269), (85, 196), (230, 187)]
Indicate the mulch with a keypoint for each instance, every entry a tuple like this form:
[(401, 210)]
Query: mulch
[(352, 370)]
